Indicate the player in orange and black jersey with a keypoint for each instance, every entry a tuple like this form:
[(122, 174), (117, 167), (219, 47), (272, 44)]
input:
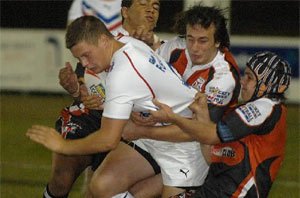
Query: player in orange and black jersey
[(248, 143)]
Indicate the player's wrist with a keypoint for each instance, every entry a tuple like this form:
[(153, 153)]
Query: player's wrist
[(64, 147), (76, 94), (174, 118)]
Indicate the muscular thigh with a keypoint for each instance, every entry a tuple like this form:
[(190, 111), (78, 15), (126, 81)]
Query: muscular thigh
[(126, 163), (70, 164)]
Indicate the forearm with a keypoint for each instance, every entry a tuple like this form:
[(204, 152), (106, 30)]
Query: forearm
[(171, 133), (206, 152), (93, 143), (204, 132)]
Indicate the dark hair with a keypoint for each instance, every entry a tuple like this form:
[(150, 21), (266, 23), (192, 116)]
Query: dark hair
[(127, 4), (85, 28), (273, 75), (204, 16)]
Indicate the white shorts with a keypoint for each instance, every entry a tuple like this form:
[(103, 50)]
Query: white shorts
[(182, 164)]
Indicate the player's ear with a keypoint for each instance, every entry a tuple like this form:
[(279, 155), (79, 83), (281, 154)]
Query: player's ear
[(124, 12), (103, 41), (217, 44)]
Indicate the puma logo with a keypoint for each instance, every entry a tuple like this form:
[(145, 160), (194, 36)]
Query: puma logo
[(184, 171)]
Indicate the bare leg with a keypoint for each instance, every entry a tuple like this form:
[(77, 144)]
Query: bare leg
[(65, 170), (121, 168), (148, 188), (88, 173), (169, 191), (153, 188)]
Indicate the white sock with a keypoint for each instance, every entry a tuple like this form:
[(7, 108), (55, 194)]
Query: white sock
[(46, 195), (124, 195)]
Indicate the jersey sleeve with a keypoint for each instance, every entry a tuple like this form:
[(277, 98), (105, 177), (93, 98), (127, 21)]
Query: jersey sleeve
[(258, 117), (220, 91), (166, 49), (122, 93)]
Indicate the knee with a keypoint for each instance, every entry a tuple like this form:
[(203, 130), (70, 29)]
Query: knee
[(102, 185)]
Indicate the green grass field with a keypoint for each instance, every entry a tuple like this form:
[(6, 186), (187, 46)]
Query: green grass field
[(26, 166)]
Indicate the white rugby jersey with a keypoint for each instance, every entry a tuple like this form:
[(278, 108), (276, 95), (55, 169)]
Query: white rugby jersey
[(108, 11), (215, 78), (138, 75), (95, 82)]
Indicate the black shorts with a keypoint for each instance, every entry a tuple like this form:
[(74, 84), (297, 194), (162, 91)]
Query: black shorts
[(202, 192), (76, 122), (146, 155)]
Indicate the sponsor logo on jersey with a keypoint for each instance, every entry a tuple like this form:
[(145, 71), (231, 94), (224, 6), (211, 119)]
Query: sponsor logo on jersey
[(157, 62), (98, 90), (217, 96), (198, 83), (250, 112), (224, 152)]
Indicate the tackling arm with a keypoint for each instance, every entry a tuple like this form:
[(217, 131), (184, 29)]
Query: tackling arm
[(201, 128), (105, 139), (171, 133)]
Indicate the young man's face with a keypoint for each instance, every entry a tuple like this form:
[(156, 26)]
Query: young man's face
[(142, 13), (201, 44), (248, 83), (92, 56)]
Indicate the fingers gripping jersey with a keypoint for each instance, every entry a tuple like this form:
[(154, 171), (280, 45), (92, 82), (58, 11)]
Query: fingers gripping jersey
[(219, 79), (109, 12), (138, 75), (76, 121), (248, 160)]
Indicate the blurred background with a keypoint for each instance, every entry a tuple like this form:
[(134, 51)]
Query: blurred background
[(32, 51), (32, 37)]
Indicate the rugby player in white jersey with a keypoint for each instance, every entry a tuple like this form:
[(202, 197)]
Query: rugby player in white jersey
[(107, 11), (82, 117), (201, 56), (132, 21), (136, 76)]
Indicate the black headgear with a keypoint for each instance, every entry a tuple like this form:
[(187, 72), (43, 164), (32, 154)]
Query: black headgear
[(273, 74)]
